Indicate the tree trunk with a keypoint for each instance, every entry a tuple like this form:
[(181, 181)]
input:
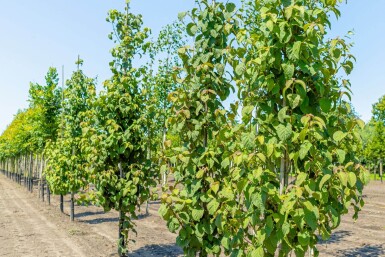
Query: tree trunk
[(163, 148), (42, 189), (61, 203), (122, 239), (72, 212), (48, 195)]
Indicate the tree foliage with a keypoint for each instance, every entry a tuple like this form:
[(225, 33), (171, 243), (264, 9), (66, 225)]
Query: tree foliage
[(264, 176), (66, 171), (115, 140), (294, 119), (374, 133)]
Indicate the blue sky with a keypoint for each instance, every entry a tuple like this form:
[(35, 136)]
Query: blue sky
[(38, 34)]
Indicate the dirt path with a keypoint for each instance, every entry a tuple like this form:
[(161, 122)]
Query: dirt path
[(30, 228), (24, 232)]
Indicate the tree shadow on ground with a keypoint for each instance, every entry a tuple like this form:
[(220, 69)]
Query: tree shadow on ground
[(169, 250), (142, 216), (100, 220), (363, 251), (336, 237), (88, 213)]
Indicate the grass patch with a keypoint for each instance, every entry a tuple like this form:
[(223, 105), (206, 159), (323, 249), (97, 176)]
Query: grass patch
[(376, 177)]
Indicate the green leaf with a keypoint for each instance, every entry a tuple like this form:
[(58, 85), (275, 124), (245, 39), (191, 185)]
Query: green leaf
[(184, 217), (348, 67), (247, 110), (284, 132), (200, 174), (259, 252), (305, 147), (300, 178), (230, 7), (343, 178), (326, 104), (225, 163), (181, 15), (304, 238), (295, 51), (352, 179), (212, 206), (269, 149), (282, 114), (226, 193), (240, 69), (340, 155), (197, 214), (285, 228), (288, 70), (294, 100), (338, 136), (324, 179), (226, 242), (336, 217), (269, 227), (191, 29), (215, 187), (270, 25), (310, 219)]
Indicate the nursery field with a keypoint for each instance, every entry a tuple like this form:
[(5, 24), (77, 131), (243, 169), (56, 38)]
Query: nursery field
[(31, 228)]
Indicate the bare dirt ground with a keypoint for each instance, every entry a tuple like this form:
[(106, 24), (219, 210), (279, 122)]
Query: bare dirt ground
[(31, 228)]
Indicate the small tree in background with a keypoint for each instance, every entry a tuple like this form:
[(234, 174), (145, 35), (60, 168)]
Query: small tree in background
[(66, 171)]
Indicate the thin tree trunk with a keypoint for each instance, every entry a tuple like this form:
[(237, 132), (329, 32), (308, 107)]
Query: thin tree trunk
[(48, 195), (163, 148), (72, 212), (122, 239), (61, 203)]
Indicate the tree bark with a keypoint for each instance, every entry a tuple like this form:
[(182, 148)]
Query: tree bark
[(72, 212)]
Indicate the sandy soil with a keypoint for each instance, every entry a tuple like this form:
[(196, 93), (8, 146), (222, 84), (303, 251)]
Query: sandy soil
[(31, 228)]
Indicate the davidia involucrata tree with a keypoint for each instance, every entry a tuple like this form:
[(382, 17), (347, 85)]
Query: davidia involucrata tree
[(66, 167), (294, 162), (115, 139), (197, 205), (305, 172)]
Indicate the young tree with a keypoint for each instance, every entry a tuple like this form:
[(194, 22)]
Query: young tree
[(116, 142), (375, 131), (160, 83), (66, 171), (286, 73), (47, 99), (202, 193)]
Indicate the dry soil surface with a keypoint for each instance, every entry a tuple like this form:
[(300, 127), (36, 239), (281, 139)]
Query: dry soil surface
[(32, 228)]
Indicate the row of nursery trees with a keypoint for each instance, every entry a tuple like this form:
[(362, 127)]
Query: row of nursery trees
[(373, 135), (263, 175)]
